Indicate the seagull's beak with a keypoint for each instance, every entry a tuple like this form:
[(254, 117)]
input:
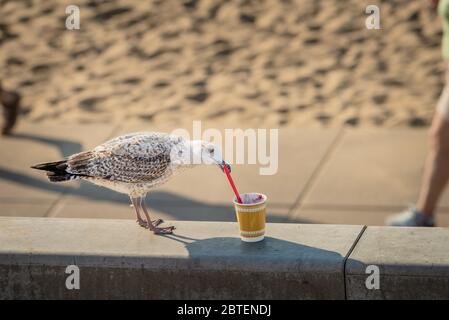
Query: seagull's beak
[(223, 164), (216, 158)]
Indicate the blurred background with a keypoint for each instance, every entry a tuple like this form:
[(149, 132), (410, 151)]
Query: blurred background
[(269, 63), (352, 104)]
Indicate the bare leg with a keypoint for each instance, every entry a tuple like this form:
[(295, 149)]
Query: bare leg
[(136, 206), (436, 170), (155, 222), (152, 225), (11, 105)]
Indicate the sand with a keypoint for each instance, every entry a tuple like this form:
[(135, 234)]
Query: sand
[(228, 63)]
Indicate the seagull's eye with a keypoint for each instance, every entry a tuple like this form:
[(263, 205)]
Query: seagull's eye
[(211, 150)]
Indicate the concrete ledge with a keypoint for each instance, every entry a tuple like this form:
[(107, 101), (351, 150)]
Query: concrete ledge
[(206, 260), (413, 264), (203, 260)]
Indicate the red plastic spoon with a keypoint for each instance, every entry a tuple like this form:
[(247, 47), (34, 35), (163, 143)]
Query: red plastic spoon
[(239, 200)]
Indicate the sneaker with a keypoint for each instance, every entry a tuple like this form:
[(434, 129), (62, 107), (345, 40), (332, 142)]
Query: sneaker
[(410, 218)]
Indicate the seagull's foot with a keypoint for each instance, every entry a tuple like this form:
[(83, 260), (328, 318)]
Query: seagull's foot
[(144, 223), (163, 230), (157, 222)]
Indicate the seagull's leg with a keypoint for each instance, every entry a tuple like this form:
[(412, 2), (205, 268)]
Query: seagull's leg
[(135, 204), (154, 222), (153, 225)]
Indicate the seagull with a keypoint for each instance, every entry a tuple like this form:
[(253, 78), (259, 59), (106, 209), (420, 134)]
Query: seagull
[(135, 163)]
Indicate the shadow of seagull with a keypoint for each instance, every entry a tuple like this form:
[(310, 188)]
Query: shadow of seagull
[(268, 265)]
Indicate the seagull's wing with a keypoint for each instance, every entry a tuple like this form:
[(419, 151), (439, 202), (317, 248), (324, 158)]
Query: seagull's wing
[(135, 158)]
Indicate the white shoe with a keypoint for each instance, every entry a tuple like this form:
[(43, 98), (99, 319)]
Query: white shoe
[(410, 218)]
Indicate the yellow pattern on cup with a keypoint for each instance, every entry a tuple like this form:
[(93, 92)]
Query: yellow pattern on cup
[(251, 217)]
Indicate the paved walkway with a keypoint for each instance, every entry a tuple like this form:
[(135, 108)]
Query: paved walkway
[(347, 176)]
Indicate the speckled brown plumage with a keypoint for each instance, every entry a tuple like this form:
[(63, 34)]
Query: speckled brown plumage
[(133, 164), (133, 158)]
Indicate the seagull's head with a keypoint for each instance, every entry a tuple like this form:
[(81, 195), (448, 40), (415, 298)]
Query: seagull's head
[(201, 152)]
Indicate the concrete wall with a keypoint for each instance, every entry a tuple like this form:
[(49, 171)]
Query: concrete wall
[(207, 260), (413, 263)]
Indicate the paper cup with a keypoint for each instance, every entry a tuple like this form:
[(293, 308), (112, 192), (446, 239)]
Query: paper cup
[(251, 216)]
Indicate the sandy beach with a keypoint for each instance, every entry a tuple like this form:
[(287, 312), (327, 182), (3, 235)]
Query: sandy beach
[(234, 63)]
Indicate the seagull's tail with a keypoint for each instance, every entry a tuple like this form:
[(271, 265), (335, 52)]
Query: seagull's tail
[(56, 171)]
